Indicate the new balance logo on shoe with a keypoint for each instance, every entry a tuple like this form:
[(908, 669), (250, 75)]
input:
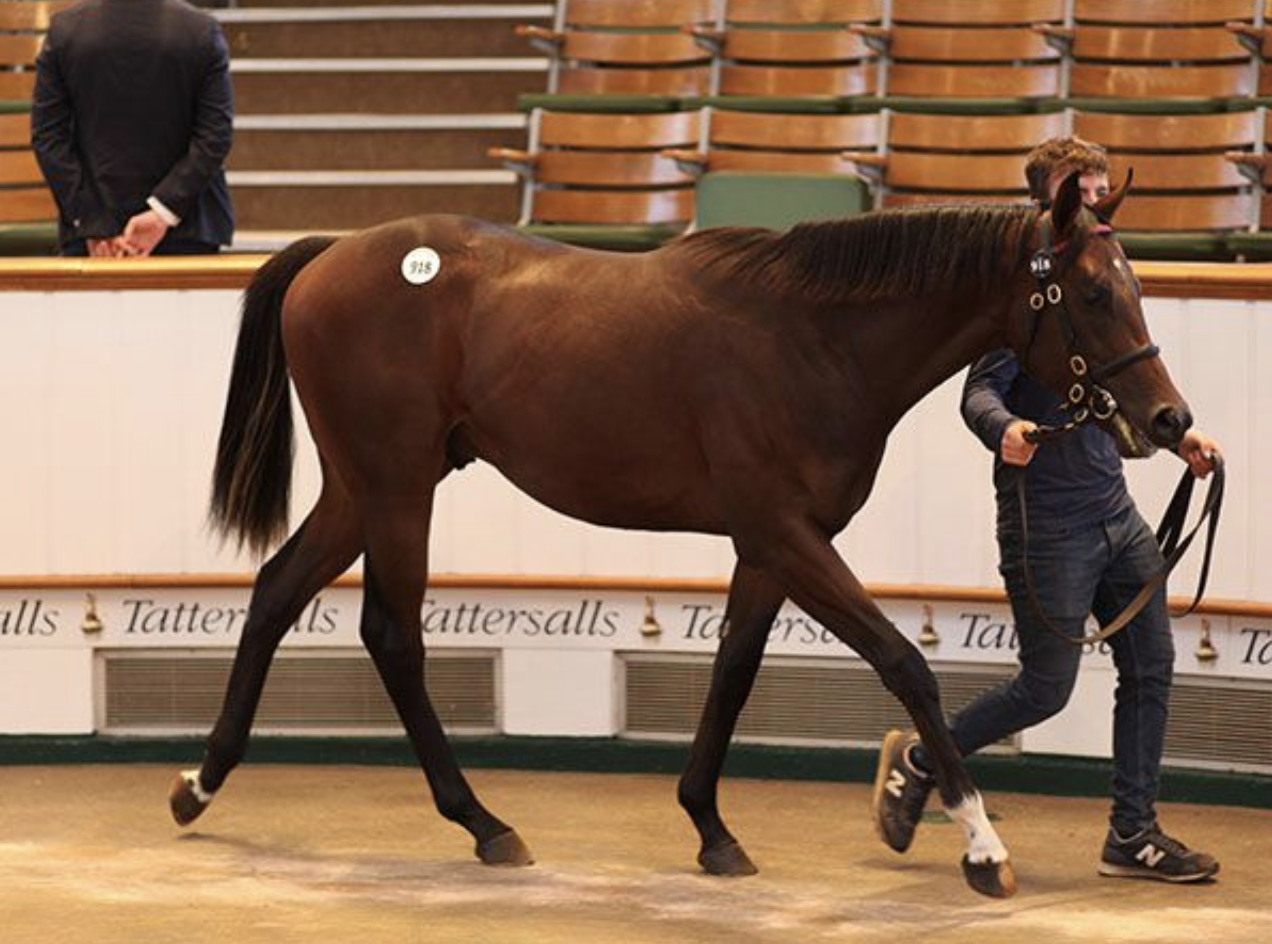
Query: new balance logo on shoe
[(896, 782), (1150, 855)]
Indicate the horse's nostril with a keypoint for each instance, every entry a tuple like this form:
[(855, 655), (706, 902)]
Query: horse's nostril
[(1170, 424)]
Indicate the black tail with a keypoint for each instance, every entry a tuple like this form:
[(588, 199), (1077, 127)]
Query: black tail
[(251, 482)]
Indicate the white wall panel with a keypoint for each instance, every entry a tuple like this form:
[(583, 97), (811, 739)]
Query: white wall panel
[(1258, 470), (559, 693), (86, 458), (26, 358), (46, 691)]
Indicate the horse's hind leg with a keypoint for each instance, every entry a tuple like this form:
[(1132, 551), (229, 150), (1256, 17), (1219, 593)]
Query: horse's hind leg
[(753, 603), (396, 571), (320, 550)]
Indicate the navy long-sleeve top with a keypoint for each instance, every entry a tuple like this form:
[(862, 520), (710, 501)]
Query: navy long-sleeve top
[(1075, 479)]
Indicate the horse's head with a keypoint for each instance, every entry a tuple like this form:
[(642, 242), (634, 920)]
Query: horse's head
[(1085, 335)]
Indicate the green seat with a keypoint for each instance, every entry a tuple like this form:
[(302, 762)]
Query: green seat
[(616, 237), (795, 104), (776, 201), (28, 239), (1177, 247), (972, 106), (1158, 106), (1253, 247)]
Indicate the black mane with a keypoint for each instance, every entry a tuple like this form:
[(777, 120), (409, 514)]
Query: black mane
[(892, 252)]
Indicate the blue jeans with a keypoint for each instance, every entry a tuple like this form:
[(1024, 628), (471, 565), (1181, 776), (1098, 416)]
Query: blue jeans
[(1097, 568)]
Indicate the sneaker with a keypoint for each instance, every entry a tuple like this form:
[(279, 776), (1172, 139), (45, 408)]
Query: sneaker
[(1150, 853), (900, 791)]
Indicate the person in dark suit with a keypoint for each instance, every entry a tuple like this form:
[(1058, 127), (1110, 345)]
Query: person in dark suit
[(131, 121)]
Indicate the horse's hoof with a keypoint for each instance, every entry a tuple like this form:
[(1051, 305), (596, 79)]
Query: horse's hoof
[(995, 879), (505, 849), (727, 859), (185, 803)]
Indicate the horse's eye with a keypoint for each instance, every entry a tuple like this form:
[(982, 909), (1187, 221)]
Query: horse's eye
[(1096, 295)]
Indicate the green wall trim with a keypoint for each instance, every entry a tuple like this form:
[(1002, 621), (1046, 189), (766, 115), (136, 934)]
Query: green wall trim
[(1034, 773)]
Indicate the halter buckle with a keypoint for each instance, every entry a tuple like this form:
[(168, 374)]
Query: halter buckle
[(1037, 302)]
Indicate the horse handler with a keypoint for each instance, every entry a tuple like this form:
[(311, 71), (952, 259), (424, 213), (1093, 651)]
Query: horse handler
[(1089, 551)]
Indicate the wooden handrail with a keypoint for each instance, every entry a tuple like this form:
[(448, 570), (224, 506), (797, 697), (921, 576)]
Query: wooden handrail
[(93, 275), (563, 582)]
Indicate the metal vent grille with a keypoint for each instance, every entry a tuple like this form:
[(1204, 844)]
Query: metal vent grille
[(794, 700), (327, 692), (1222, 723)]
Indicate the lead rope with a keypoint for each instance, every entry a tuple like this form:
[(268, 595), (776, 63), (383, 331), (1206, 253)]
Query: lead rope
[(1170, 538)]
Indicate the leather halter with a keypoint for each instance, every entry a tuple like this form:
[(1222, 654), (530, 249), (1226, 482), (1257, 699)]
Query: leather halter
[(1086, 398)]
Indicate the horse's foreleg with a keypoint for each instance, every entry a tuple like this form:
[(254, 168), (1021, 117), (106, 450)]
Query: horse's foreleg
[(822, 585), (397, 567), (324, 546), (753, 603)]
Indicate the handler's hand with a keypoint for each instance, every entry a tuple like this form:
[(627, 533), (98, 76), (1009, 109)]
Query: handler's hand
[(1197, 449), (1016, 450)]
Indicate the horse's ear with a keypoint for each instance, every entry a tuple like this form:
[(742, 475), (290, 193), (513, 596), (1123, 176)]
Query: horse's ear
[(1067, 203), (1107, 205)]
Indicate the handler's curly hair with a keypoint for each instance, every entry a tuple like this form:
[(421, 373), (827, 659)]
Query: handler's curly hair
[(1062, 155)]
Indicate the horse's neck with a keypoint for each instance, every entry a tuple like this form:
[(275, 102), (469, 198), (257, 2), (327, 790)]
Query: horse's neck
[(924, 342)]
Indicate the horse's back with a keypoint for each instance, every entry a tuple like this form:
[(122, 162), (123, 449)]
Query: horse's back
[(604, 384)]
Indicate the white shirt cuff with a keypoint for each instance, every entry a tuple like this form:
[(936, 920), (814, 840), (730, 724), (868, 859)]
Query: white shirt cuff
[(164, 213)]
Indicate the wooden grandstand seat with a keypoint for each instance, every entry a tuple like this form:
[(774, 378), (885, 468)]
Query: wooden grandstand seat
[(1174, 152), (1215, 213), (1188, 196), (776, 63), (970, 49), (1258, 39), (1166, 49), (602, 179), (625, 47), (939, 158), (1256, 165), (1163, 12), (22, 27), (788, 13), (28, 213), (779, 142), (793, 48)]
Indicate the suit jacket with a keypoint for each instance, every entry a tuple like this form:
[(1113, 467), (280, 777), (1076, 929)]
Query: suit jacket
[(132, 100)]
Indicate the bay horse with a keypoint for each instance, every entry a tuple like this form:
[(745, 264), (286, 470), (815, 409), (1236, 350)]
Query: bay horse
[(738, 381)]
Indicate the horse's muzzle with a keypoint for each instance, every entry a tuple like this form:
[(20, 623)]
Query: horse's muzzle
[(1169, 425)]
